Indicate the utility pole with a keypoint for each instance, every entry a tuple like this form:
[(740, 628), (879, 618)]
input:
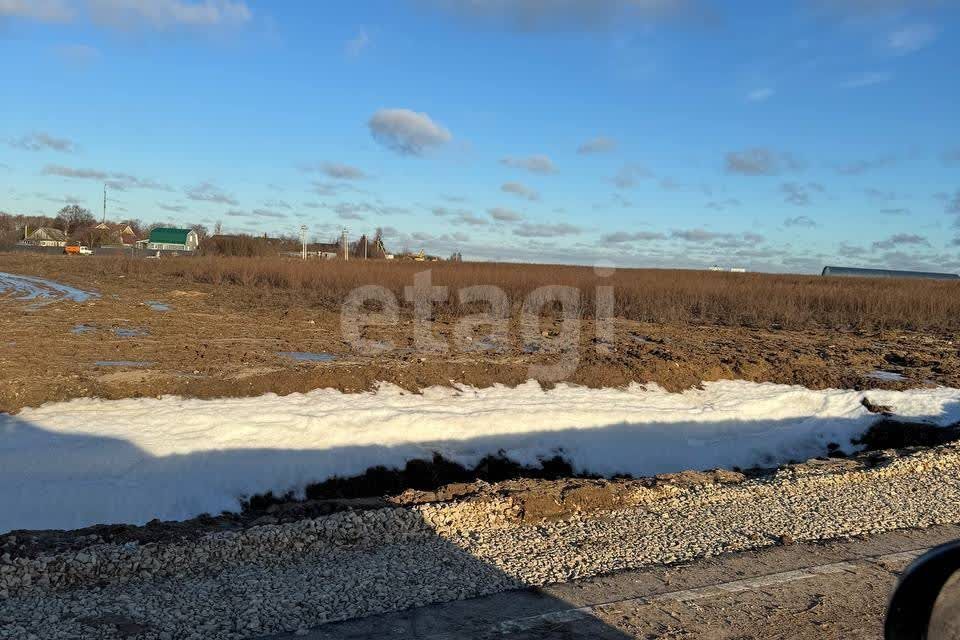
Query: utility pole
[(303, 241), (343, 241), (104, 204)]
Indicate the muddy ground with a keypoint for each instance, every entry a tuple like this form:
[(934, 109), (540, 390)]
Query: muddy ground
[(227, 341)]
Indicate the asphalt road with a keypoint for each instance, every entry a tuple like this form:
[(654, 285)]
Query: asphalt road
[(816, 591)]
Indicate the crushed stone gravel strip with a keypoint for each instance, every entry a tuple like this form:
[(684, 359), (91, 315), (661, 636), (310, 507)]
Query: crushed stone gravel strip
[(573, 614), (288, 578)]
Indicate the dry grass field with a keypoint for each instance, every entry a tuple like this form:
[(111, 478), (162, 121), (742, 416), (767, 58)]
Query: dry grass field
[(642, 295), (231, 320)]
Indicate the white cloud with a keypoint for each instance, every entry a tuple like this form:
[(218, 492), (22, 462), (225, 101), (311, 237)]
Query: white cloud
[(535, 164), (42, 10), (460, 217), (623, 237), (157, 14), (600, 144), (723, 204), (469, 218), (902, 239), (911, 38), (800, 221), (115, 180), (532, 15), (858, 167), (165, 14), (208, 192), (520, 190), (697, 235), (256, 213), (357, 45), (799, 194), (760, 161), (873, 9), (629, 175), (501, 214), (718, 239), (407, 132), (527, 230), (41, 141), (340, 171), (867, 79), (760, 95)]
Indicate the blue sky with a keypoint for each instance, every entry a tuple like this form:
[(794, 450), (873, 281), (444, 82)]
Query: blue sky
[(771, 136)]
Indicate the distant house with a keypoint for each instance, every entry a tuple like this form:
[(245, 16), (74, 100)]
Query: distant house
[(120, 234), (329, 250), (47, 237), (127, 235), (169, 239)]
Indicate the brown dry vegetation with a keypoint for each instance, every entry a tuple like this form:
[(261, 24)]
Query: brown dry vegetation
[(240, 245), (223, 337), (644, 295)]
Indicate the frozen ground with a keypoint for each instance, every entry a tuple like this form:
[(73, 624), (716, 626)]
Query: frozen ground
[(41, 290), (73, 464)]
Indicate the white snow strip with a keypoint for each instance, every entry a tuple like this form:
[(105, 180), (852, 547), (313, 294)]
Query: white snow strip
[(88, 461)]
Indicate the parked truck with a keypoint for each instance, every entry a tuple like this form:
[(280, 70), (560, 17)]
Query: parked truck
[(78, 250)]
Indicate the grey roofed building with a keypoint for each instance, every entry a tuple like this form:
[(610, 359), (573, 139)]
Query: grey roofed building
[(886, 273)]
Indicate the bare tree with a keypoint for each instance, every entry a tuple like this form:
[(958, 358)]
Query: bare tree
[(202, 232), (73, 217)]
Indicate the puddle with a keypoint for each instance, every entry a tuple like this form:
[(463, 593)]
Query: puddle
[(41, 290), (158, 306), (887, 376), (80, 329), (306, 356), (124, 332), (122, 363), (489, 344)]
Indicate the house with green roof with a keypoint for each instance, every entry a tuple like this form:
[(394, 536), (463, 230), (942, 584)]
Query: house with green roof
[(170, 239)]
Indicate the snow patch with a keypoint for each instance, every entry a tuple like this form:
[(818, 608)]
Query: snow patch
[(122, 363), (887, 376), (158, 306), (306, 356), (41, 290), (73, 464)]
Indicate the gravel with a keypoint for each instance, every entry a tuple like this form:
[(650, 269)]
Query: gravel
[(291, 577)]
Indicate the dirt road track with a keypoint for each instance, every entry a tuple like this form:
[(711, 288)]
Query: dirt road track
[(816, 591)]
